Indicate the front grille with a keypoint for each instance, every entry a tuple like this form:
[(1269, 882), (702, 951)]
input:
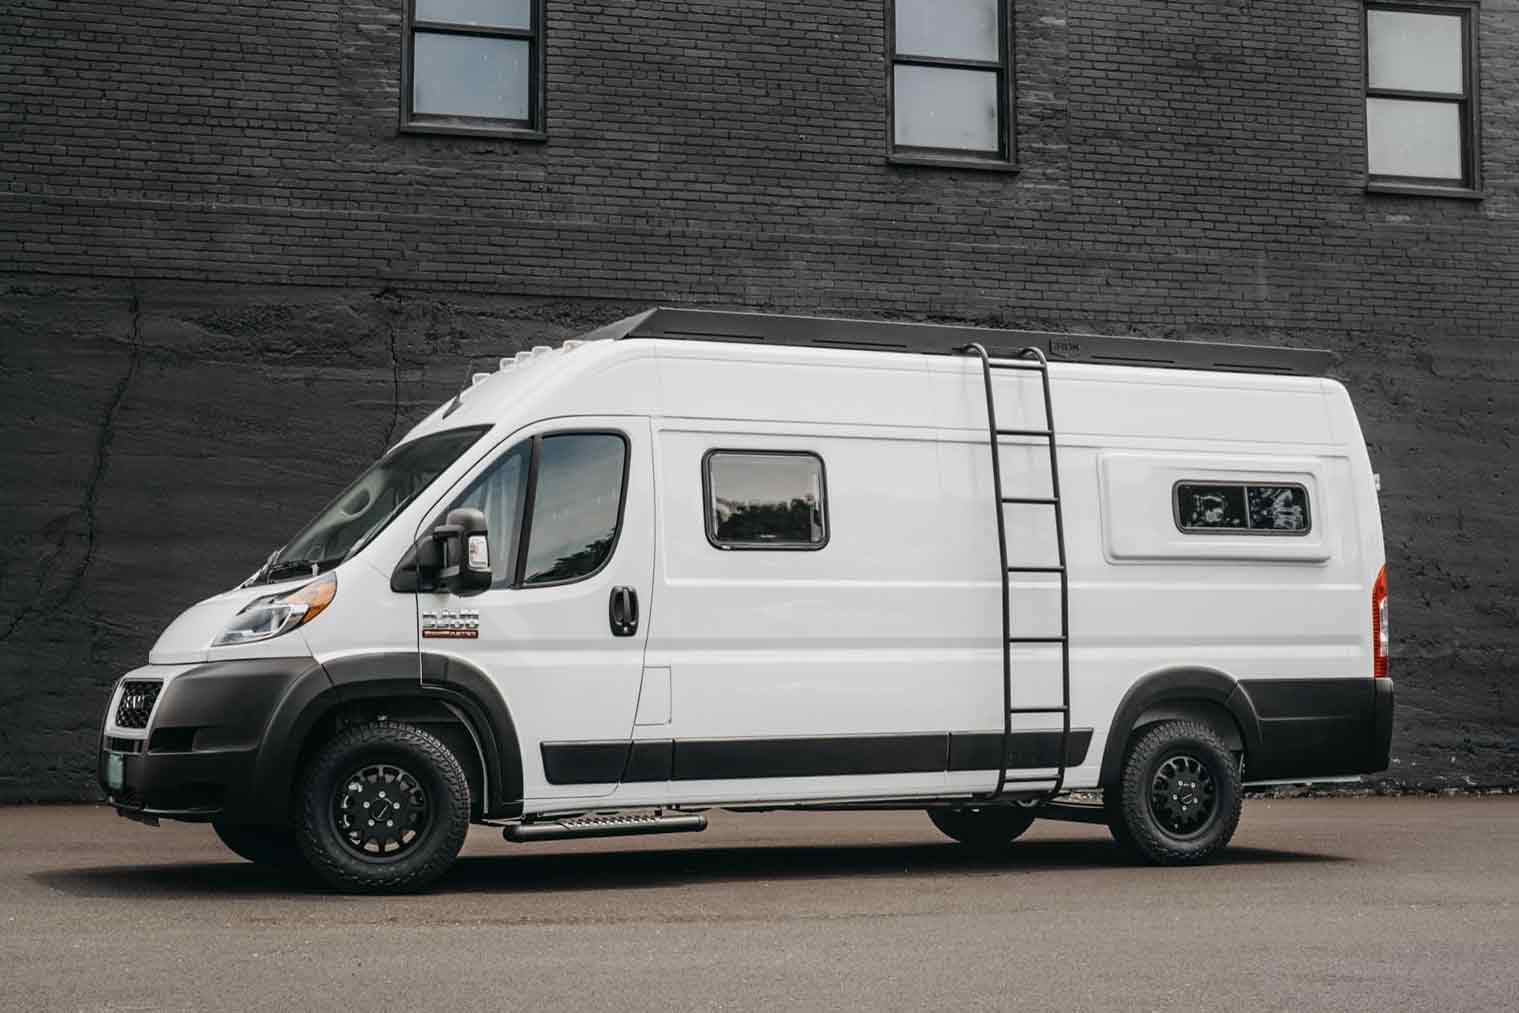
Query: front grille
[(137, 700)]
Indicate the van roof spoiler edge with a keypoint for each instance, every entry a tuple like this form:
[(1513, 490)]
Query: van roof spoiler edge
[(947, 339)]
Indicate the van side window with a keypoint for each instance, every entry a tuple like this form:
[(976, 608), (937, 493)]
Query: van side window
[(499, 493), (765, 499), (560, 496), (577, 506), (1218, 507)]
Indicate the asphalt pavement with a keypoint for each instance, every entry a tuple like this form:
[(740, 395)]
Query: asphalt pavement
[(1345, 904)]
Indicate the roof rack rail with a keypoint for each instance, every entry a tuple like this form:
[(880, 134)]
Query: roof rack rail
[(947, 339)]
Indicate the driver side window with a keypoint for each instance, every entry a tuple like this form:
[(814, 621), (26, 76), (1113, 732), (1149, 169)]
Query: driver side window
[(499, 494), (569, 487)]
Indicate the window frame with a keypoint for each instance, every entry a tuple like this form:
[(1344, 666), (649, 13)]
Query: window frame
[(1244, 486), (524, 518), (535, 128), (1005, 159), (1467, 102), (709, 517)]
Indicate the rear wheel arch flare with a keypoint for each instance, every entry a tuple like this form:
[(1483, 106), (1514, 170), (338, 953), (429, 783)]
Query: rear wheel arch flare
[(1185, 692)]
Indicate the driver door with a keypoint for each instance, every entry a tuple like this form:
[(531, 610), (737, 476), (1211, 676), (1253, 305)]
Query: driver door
[(561, 630)]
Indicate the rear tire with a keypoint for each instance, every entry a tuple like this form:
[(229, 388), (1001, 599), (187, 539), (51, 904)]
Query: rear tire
[(270, 847), (1179, 795), (384, 809), (983, 828)]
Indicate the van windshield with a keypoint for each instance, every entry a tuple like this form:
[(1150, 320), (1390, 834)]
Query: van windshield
[(363, 509)]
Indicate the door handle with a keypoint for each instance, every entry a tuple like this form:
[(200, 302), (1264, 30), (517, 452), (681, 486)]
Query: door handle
[(622, 611)]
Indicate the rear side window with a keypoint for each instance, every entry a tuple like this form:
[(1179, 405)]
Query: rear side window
[(1243, 508), (765, 499)]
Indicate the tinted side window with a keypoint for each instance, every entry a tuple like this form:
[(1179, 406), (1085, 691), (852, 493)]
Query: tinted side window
[(577, 504), (765, 499), (499, 493), (1225, 507)]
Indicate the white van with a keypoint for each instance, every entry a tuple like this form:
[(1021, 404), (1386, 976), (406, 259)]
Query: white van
[(717, 560)]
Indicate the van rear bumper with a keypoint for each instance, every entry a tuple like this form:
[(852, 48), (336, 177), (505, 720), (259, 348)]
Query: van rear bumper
[(1312, 728)]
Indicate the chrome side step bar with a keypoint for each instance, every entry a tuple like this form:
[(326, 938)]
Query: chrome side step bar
[(604, 826)]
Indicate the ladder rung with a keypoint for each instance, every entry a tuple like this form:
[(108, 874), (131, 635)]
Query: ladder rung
[(1031, 500), (1008, 364), (1036, 640), (1046, 433), (1039, 710), (1036, 569)]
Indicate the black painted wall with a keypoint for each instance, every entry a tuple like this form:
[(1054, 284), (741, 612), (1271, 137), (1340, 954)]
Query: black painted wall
[(227, 281)]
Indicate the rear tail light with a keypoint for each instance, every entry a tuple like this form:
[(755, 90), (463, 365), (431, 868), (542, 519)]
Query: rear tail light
[(1379, 638)]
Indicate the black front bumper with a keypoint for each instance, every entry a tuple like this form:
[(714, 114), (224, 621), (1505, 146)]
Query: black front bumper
[(200, 759)]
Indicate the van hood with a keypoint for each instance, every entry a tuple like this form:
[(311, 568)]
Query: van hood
[(188, 638)]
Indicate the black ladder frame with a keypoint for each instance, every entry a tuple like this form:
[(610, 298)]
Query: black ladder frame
[(1033, 360)]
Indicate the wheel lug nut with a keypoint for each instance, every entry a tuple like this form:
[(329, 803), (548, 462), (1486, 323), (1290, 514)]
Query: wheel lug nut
[(371, 822), (366, 805), (390, 823)]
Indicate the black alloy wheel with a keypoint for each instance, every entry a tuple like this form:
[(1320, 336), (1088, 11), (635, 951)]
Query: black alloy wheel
[(384, 808), (1179, 795), (380, 811)]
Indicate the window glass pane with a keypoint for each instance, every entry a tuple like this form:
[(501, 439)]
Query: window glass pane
[(461, 75), (1407, 137), (1210, 507), (939, 107), (498, 494), (956, 29), (495, 13), (1277, 507), (765, 499), (575, 507), (367, 506), (1414, 52)]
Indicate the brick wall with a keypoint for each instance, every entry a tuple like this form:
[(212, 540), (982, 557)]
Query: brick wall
[(229, 281)]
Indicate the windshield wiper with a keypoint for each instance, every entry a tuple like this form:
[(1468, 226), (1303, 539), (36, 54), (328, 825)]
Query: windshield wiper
[(292, 568)]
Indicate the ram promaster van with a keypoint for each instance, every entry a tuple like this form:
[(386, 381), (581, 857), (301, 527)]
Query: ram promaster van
[(700, 560)]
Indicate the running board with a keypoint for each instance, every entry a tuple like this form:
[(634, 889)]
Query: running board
[(604, 826)]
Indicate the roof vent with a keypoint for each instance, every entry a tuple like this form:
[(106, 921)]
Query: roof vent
[(505, 364), (477, 379)]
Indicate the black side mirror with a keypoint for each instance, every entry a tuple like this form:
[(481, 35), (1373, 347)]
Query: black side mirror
[(463, 552), (454, 556)]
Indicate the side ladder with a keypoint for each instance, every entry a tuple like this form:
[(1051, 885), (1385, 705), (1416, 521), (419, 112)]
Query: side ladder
[(1028, 359)]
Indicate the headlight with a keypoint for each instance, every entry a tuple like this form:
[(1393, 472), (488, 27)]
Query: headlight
[(271, 616)]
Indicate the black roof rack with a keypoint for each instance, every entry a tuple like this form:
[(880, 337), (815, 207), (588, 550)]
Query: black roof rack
[(945, 339)]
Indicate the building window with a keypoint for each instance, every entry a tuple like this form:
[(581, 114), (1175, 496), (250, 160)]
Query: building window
[(473, 67), (765, 499), (1421, 85), (950, 85), (1229, 508)]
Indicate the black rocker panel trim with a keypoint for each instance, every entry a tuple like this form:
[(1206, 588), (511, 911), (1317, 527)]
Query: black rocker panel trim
[(1025, 750), (823, 756)]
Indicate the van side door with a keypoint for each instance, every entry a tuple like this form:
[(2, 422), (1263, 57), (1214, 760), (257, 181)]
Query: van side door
[(561, 630)]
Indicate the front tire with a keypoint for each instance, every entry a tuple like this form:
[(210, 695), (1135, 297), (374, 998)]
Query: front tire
[(983, 828), (1178, 797), (384, 809)]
